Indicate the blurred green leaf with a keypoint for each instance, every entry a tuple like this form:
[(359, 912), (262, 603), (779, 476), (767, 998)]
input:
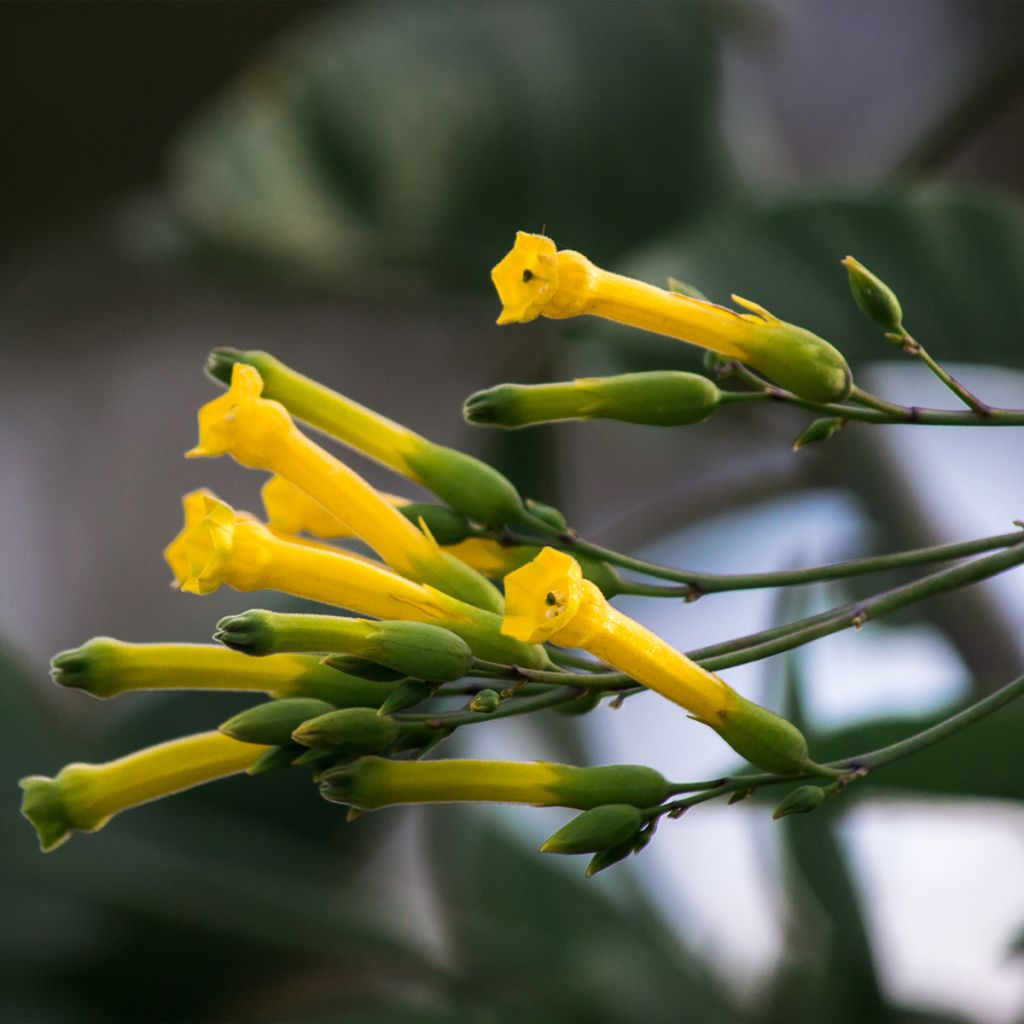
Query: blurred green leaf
[(430, 132), (955, 258), (535, 942)]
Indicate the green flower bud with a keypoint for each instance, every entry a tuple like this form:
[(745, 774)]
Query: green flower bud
[(764, 738), (363, 669), (600, 828), (661, 398), (548, 513), (445, 525), (582, 704), (351, 731), (801, 800), (43, 804), (406, 695), (409, 648), (875, 298), (485, 702), (820, 430), (274, 721)]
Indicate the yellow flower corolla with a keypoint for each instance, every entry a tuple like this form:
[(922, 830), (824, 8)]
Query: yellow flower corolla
[(225, 547), (84, 797), (549, 599), (536, 279), (259, 433), (290, 510)]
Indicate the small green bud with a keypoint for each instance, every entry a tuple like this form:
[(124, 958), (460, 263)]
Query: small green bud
[(583, 704), (406, 695), (485, 702), (875, 298), (764, 738), (820, 430), (349, 731), (274, 759), (446, 525), (419, 649), (274, 721), (363, 669), (600, 828), (801, 800), (660, 398), (606, 858), (548, 513)]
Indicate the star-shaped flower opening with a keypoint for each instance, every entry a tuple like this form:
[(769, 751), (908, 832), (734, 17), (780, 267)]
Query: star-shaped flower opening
[(526, 278), (542, 597)]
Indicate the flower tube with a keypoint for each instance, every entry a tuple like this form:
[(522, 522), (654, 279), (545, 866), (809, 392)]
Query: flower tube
[(373, 782), (260, 434), (459, 480), (105, 667), (84, 797), (549, 600), (227, 547), (536, 279)]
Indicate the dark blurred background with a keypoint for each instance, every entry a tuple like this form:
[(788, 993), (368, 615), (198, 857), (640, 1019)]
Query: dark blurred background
[(332, 182)]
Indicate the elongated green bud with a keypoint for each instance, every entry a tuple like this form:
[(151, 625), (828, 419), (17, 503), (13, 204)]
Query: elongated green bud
[(445, 525), (876, 299), (409, 648), (666, 398), (819, 430), (764, 738), (352, 731), (274, 721), (801, 800), (406, 695), (373, 782), (600, 828), (105, 667), (486, 702), (548, 513), (459, 480)]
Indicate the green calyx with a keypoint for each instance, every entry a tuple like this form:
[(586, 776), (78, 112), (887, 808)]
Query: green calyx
[(801, 800), (801, 362), (764, 738)]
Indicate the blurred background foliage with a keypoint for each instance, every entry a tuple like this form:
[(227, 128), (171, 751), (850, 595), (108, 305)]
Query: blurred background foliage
[(298, 172)]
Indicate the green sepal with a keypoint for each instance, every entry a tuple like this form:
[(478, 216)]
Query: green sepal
[(600, 828), (407, 695), (369, 671), (274, 721), (819, 430), (606, 858), (420, 650), (446, 525), (43, 805), (274, 759)]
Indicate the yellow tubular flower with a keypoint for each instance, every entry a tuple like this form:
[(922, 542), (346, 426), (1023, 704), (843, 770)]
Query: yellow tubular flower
[(536, 279), (84, 797), (233, 548), (549, 600), (291, 510), (260, 434)]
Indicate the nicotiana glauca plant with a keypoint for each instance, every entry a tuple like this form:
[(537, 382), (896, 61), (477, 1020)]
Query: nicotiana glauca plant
[(486, 605)]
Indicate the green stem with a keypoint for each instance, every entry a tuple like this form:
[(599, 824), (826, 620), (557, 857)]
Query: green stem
[(507, 709), (859, 765), (914, 348), (697, 583)]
